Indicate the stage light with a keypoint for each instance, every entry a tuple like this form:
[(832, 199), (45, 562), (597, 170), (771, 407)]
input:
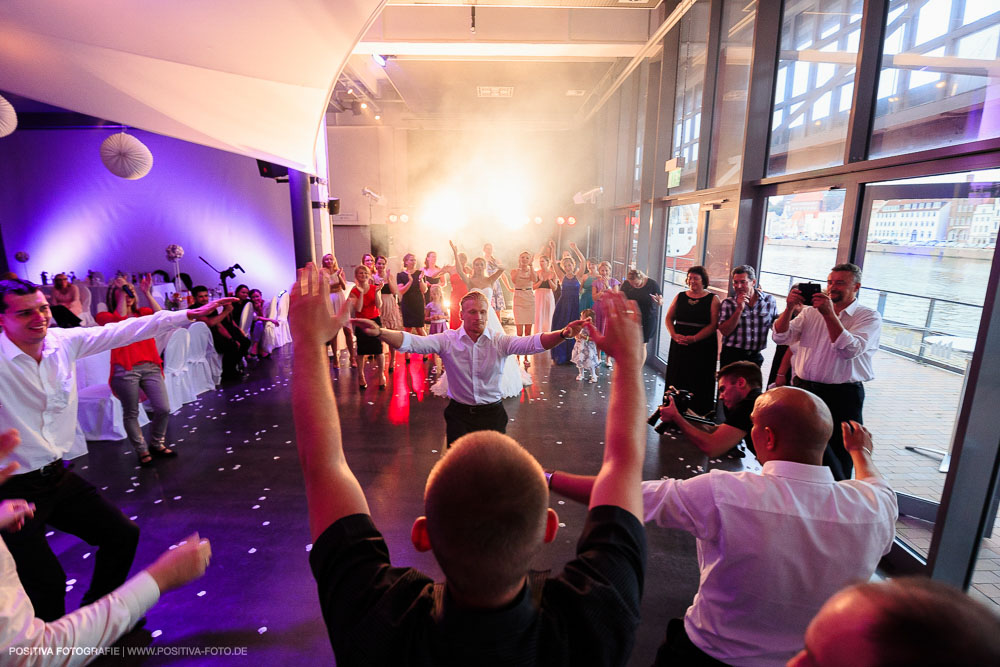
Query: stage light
[(350, 91), (378, 117), (404, 218), (538, 219), (364, 105), (379, 60), (560, 220), (393, 217), (570, 221)]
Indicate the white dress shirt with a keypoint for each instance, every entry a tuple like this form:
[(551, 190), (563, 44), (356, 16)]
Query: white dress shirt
[(39, 399), (847, 359), (772, 548), (27, 640), (474, 369)]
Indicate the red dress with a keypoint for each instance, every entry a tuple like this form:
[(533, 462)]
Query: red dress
[(369, 310), (458, 290)]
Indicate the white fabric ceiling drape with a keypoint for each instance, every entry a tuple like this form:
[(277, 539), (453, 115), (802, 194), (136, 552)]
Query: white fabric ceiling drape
[(246, 76)]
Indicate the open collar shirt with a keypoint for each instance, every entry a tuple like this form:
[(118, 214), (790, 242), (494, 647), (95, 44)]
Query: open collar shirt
[(755, 321), (474, 368), (772, 548), (847, 359), (40, 399)]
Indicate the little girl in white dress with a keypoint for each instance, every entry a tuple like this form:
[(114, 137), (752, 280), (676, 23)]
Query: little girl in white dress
[(585, 352)]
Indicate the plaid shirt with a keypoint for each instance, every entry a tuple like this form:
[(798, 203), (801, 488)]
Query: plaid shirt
[(755, 321)]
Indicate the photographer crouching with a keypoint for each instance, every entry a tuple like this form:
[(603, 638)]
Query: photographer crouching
[(739, 387)]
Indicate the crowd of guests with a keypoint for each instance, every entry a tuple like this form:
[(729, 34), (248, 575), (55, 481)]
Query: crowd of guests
[(784, 554)]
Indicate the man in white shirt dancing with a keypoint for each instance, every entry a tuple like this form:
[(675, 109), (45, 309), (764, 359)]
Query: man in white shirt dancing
[(473, 358), (38, 397), (837, 338)]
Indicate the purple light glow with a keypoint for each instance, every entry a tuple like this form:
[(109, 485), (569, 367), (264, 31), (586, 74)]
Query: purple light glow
[(64, 208)]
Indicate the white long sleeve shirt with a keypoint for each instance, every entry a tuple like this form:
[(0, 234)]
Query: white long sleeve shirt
[(40, 400), (474, 369), (847, 359), (77, 637)]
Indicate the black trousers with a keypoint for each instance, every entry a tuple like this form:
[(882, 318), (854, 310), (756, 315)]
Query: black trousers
[(71, 504), (731, 354), (678, 649), (845, 402), (460, 419)]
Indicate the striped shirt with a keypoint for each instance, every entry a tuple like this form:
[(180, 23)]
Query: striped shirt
[(755, 321)]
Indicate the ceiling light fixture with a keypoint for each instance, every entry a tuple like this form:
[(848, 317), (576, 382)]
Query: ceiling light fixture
[(379, 60), (364, 105)]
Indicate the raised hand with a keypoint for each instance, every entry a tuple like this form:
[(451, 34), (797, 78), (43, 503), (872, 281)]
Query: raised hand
[(146, 283), (622, 337), (13, 513), (9, 440), (857, 437), (181, 564), (310, 313)]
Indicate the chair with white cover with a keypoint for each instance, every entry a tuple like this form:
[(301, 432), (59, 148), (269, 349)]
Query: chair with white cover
[(102, 307), (199, 367), (246, 318), (175, 370), (99, 415), (283, 336), (85, 296)]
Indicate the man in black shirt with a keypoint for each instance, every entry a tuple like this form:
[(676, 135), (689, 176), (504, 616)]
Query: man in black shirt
[(487, 513), (739, 387)]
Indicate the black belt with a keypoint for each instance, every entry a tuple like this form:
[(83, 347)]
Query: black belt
[(809, 384), (45, 471), (473, 409)]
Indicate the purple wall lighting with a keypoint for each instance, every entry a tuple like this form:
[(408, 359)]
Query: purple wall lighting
[(60, 204)]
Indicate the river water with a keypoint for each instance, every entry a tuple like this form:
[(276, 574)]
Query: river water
[(918, 276)]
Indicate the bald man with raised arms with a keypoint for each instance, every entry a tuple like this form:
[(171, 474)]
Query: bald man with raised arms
[(772, 547)]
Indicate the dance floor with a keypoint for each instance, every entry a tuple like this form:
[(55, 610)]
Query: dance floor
[(237, 482)]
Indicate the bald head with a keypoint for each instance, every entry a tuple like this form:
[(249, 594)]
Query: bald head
[(797, 421), (486, 502)]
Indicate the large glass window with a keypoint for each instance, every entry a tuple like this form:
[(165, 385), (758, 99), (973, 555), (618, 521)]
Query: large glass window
[(940, 82), (928, 256), (814, 85), (729, 114), (690, 87)]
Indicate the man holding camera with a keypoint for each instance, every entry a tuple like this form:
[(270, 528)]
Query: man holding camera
[(745, 318), (739, 387), (837, 338)]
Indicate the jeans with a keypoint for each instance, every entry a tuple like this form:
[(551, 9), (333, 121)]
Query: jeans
[(125, 384)]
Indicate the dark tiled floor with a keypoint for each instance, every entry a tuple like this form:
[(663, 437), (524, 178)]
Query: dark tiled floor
[(237, 482)]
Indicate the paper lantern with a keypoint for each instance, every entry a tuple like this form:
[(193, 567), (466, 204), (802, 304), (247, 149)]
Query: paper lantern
[(8, 118), (125, 156)]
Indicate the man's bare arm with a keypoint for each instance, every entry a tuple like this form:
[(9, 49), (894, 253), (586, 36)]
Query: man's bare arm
[(619, 481), (574, 487), (332, 490), (858, 443)]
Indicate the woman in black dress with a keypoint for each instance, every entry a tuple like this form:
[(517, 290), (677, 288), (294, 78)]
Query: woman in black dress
[(411, 296), (692, 320)]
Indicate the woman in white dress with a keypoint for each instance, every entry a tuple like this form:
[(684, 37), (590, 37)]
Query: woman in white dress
[(545, 300), (338, 295)]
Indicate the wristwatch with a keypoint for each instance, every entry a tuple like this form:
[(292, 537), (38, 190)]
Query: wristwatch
[(548, 477), (562, 334)]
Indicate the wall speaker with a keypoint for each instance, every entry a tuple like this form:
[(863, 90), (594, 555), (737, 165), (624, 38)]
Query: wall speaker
[(334, 206), (268, 170)]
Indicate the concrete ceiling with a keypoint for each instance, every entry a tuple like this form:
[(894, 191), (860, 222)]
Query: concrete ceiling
[(531, 63)]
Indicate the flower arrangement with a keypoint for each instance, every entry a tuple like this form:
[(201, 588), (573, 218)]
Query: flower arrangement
[(174, 252)]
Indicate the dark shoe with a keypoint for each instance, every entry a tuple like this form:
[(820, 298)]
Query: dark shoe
[(362, 386), (162, 451), (146, 460)]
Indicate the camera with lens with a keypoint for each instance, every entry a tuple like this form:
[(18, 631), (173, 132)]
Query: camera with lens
[(808, 290), (682, 399)]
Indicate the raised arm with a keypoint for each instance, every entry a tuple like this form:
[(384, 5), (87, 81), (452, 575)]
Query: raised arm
[(619, 481), (581, 262), (458, 265), (858, 443), (332, 490), (146, 285)]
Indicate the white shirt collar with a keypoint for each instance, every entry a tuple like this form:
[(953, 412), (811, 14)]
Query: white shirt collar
[(800, 471)]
